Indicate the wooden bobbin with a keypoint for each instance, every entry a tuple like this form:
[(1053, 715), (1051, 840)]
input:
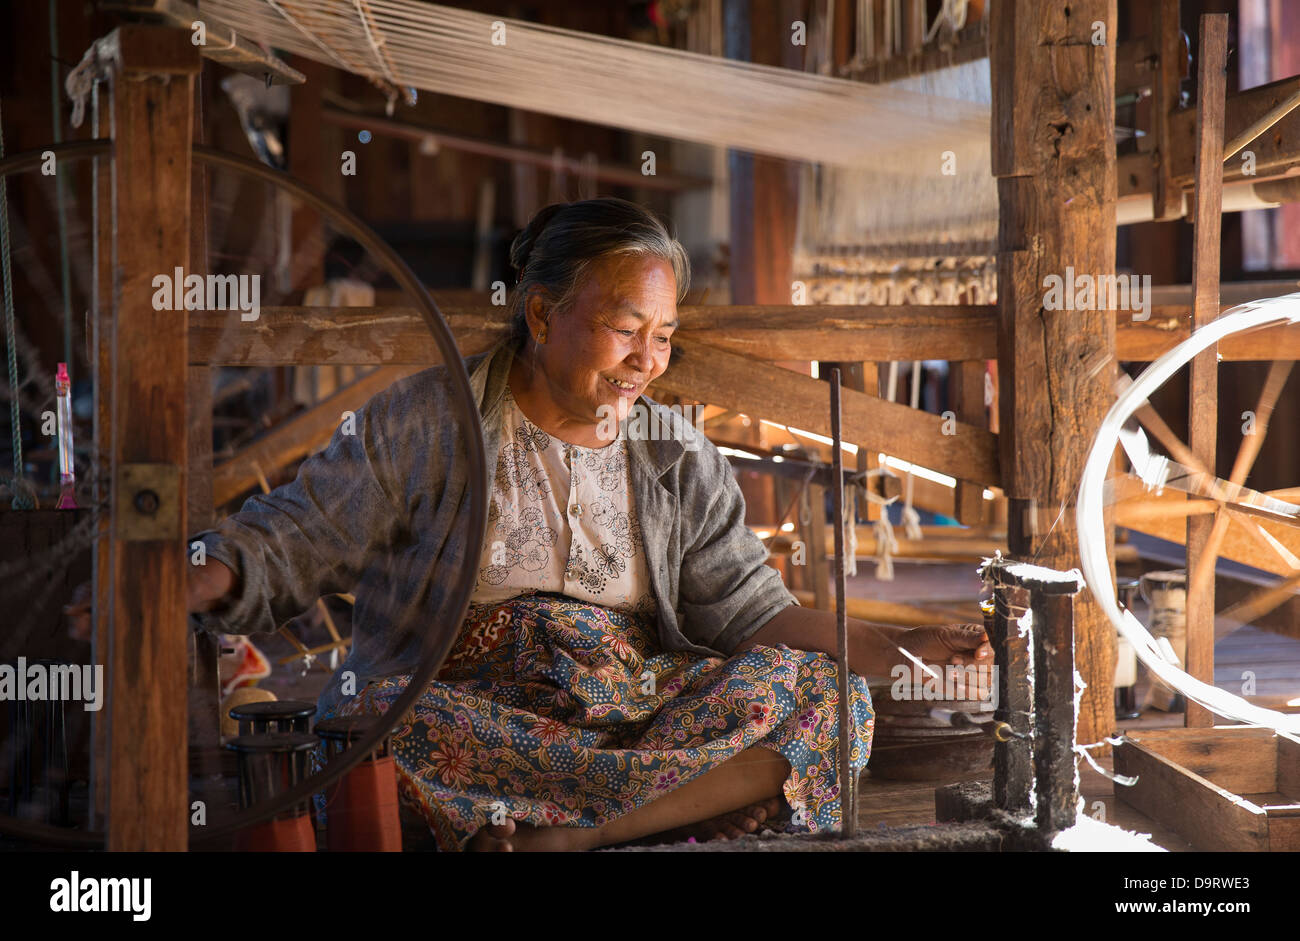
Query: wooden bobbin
[(361, 810), (285, 715), (269, 764)]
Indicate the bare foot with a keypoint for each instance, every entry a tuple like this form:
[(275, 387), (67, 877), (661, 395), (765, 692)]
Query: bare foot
[(515, 837), (494, 838), (732, 825)]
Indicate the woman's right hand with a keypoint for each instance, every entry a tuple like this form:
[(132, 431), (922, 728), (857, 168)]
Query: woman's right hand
[(205, 588)]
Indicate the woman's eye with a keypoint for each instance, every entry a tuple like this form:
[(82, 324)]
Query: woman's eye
[(662, 339), (628, 333)]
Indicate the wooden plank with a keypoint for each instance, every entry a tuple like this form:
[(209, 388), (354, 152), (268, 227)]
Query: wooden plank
[(1236, 758), (966, 387), (397, 335), (1053, 153), (1209, 817), (1136, 64), (1276, 150), (298, 437), (148, 766), (1203, 389), (718, 377), (389, 336), (1288, 766), (1166, 195), (1283, 829)]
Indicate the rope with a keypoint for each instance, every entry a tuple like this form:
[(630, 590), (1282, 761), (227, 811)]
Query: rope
[(24, 494)]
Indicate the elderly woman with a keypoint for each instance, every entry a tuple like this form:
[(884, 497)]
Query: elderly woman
[(629, 665)]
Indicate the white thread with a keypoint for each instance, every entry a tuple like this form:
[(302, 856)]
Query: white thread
[(651, 89)]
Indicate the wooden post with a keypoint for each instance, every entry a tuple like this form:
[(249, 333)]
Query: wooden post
[(1203, 393), (1166, 92), (966, 382), (152, 101), (1053, 152), (204, 713), (1056, 787), (1013, 765)]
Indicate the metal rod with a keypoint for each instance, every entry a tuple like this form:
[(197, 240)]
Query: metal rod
[(848, 812)]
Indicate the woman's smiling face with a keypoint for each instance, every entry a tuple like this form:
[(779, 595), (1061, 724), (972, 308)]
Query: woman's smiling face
[(612, 342)]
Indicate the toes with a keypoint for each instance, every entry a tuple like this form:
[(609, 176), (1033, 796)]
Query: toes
[(494, 838)]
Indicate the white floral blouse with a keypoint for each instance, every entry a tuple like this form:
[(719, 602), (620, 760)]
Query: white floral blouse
[(561, 520)]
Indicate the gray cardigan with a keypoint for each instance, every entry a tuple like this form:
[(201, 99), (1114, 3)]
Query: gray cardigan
[(381, 507)]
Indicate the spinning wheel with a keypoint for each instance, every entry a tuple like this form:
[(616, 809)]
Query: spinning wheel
[(448, 615), (1163, 485)]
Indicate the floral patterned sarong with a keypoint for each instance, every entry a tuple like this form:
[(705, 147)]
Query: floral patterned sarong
[(560, 713)]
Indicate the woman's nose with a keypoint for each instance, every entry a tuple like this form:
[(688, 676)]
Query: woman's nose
[(640, 356)]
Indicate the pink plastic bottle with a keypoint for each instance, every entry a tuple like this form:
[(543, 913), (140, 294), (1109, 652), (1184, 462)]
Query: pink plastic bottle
[(67, 474)]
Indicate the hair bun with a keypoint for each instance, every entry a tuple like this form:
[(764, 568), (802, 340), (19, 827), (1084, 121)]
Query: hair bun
[(522, 247)]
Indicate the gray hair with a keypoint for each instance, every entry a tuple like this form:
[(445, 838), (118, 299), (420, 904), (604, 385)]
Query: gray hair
[(558, 247)]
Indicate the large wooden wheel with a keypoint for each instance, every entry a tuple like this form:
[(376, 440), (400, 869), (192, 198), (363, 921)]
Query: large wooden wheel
[(1155, 484), (446, 615)]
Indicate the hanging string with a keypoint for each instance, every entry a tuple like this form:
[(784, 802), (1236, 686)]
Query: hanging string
[(24, 495)]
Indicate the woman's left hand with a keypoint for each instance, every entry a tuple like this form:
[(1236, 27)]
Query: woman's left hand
[(958, 644)]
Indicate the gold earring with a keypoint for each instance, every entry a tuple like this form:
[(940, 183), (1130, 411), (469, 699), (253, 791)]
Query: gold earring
[(541, 336)]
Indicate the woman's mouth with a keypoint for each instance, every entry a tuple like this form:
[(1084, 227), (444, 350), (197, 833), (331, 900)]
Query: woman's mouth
[(622, 387)]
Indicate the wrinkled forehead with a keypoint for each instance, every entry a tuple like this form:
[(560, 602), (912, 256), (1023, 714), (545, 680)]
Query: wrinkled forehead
[(644, 286)]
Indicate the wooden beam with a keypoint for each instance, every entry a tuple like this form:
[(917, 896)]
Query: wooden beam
[(718, 377), (1053, 153), (1203, 390), (148, 805), (1166, 195), (303, 434), (391, 336), (1275, 151)]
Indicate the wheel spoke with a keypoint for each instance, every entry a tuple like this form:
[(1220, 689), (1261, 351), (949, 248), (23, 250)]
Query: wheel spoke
[(1259, 603), (1203, 571), (1152, 422), (1250, 445)]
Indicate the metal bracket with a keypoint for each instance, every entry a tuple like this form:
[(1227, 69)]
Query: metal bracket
[(147, 502)]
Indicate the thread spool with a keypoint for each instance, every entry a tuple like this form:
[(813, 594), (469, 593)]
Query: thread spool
[(284, 715), (361, 810), (1166, 593), (269, 764)]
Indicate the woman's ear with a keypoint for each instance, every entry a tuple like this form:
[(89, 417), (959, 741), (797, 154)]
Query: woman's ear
[(537, 313)]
